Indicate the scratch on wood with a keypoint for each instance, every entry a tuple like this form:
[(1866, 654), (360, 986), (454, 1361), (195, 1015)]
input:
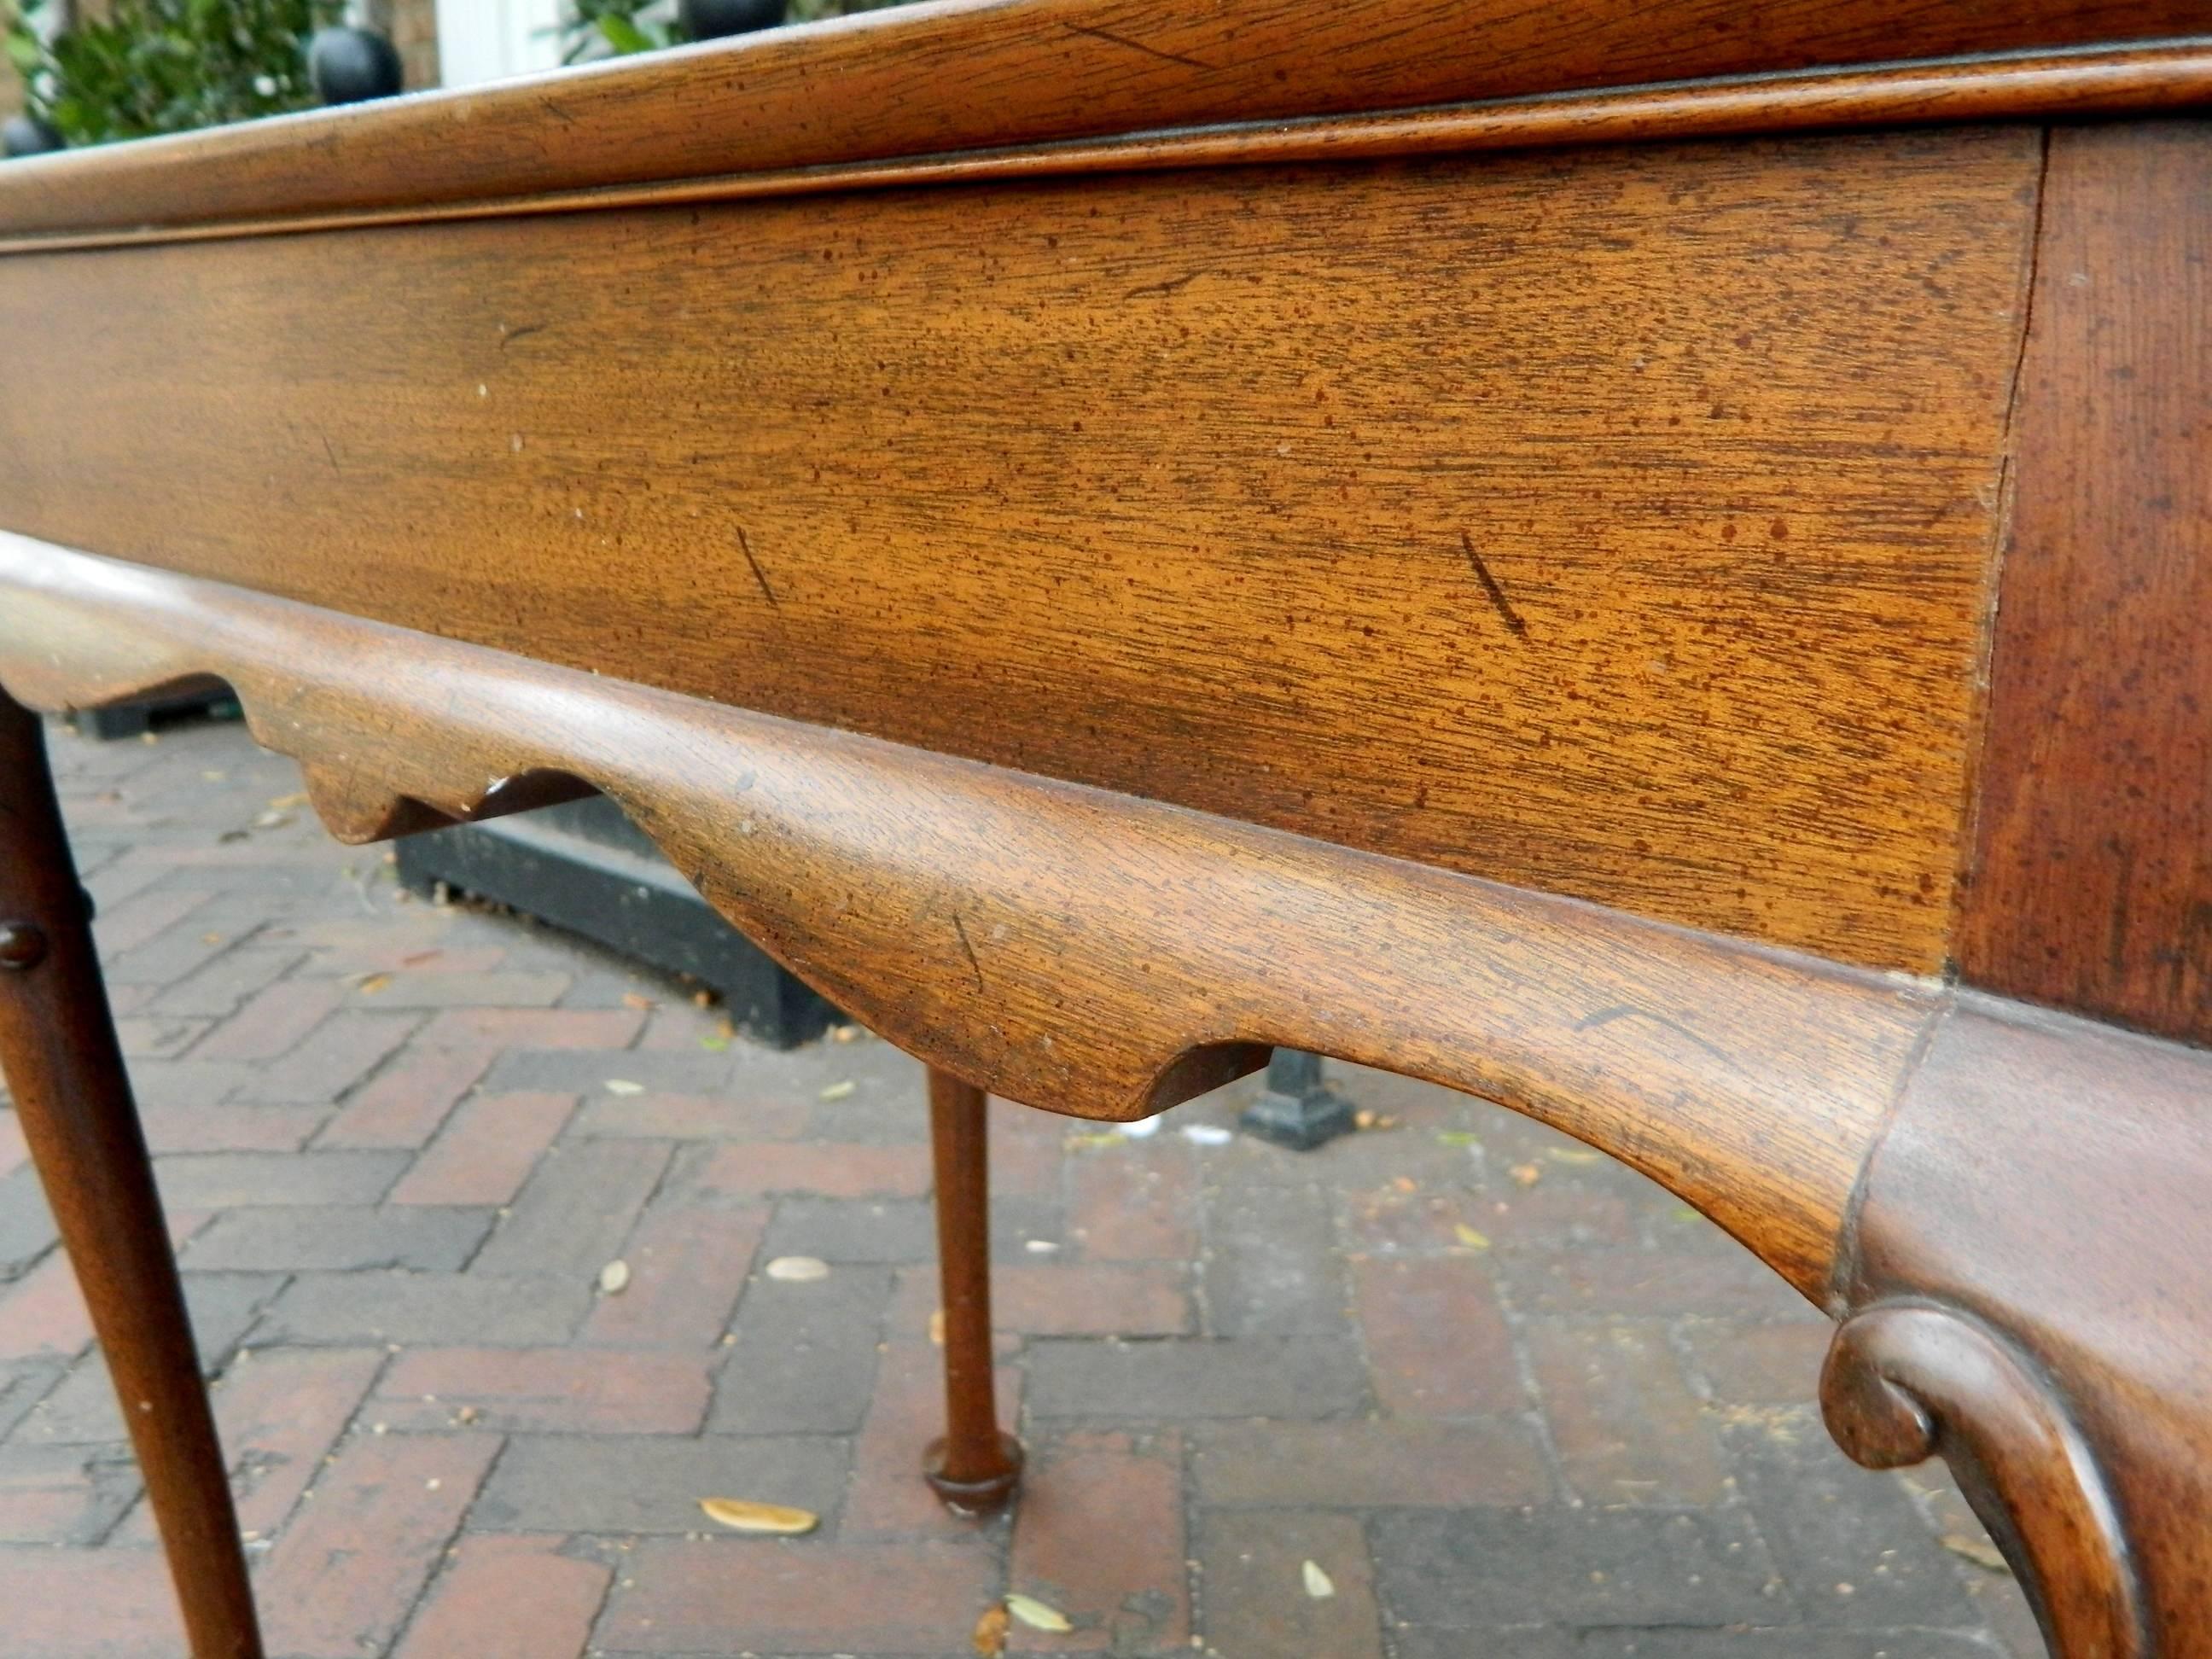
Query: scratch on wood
[(974, 966), (1168, 287), (524, 332), (759, 575), (330, 454), (1504, 607), (1139, 46), (1629, 1011)]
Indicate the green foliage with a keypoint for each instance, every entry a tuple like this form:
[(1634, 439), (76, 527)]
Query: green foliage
[(165, 65), (807, 11), (616, 26)]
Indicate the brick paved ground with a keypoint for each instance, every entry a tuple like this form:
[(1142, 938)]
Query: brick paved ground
[(1514, 1403)]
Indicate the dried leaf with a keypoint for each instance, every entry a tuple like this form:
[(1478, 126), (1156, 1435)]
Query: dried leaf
[(1979, 1551), (937, 1327), (1527, 1174), (798, 1269), (990, 1637), (1404, 1184), (702, 999), (1319, 1584), (844, 1033), (1471, 1239), (374, 983), (623, 1086), (614, 1278), (1575, 1155), (272, 821), (632, 999), (742, 1515), (1036, 1614), (839, 1090), (1456, 1137), (715, 1043), (1107, 1139), (285, 803)]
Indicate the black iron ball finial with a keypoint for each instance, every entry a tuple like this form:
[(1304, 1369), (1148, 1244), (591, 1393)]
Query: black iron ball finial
[(350, 66), (710, 20)]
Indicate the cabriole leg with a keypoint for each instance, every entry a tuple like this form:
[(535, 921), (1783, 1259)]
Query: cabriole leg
[(974, 1467), (58, 1048)]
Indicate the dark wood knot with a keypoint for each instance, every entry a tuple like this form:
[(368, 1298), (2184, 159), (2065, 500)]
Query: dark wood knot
[(22, 945)]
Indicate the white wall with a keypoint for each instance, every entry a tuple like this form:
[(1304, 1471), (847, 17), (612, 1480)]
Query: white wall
[(488, 39)]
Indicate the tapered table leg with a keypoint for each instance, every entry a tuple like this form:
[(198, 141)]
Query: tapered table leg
[(974, 1467), (59, 1049)]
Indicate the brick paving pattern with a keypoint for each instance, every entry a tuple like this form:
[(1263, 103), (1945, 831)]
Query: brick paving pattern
[(1511, 1401)]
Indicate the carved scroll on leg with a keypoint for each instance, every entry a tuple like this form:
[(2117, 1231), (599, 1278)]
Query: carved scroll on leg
[(2031, 1269), (1906, 1382)]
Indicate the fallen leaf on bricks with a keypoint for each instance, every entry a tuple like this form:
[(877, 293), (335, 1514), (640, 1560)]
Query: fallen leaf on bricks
[(742, 1515), (1318, 1583), (839, 1090), (374, 983), (1471, 1239), (1978, 1551), (1037, 1615), (1527, 1174), (623, 1086), (990, 1637), (937, 1327), (798, 1269), (614, 1279), (1575, 1155)]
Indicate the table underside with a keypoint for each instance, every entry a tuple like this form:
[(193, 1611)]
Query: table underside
[(1693, 641)]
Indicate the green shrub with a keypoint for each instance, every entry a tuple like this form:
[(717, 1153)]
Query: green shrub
[(599, 26), (166, 65)]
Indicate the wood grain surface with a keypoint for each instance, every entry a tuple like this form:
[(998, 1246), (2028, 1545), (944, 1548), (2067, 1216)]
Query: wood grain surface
[(1614, 523), (1088, 953), (2093, 889), (2071, 86), (954, 77)]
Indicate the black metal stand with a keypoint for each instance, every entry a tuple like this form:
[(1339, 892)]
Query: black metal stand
[(135, 719), (584, 867), (1299, 1111)]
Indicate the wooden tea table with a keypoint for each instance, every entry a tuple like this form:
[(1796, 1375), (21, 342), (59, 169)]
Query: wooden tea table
[(1649, 562)]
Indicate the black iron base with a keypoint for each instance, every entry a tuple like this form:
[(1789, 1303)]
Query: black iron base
[(583, 867), (1299, 1111)]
